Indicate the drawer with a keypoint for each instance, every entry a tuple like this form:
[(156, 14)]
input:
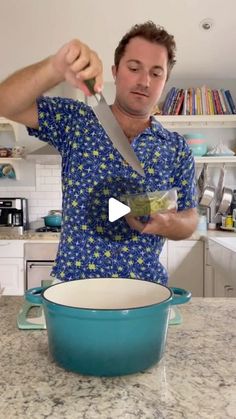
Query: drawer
[(11, 248)]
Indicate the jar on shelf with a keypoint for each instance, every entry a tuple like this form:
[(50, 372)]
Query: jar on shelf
[(197, 143)]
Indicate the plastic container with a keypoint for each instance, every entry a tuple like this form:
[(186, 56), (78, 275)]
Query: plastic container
[(145, 204)]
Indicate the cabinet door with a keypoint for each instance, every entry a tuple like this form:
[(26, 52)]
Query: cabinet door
[(185, 265), (12, 275), (221, 287), (164, 256)]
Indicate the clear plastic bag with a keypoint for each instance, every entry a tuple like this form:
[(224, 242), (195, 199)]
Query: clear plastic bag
[(149, 203)]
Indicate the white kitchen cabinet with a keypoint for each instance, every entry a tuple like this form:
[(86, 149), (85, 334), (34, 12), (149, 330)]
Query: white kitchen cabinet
[(219, 271), (12, 275), (12, 266), (185, 265), (222, 286), (164, 256), (217, 284)]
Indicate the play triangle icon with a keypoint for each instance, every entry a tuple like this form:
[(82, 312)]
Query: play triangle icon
[(116, 209)]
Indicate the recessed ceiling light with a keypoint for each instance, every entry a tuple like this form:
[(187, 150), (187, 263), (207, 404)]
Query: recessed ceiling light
[(206, 24)]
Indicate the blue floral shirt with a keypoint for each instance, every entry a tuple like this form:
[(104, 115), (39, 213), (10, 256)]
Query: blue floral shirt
[(92, 172)]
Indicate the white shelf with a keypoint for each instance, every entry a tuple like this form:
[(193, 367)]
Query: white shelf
[(231, 160), (7, 125), (197, 121), (14, 161)]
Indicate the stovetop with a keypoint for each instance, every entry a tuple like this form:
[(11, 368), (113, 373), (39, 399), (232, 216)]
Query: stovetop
[(48, 229)]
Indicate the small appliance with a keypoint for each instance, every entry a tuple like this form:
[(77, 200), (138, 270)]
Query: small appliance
[(13, 215)]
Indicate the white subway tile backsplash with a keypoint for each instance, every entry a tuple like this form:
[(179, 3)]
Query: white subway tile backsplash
[(45, 196), (52, 180)]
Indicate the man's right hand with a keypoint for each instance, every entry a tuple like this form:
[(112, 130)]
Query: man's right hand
[(76, 62)]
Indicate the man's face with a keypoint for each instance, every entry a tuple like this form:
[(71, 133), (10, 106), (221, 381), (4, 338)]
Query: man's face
[(140, 77)]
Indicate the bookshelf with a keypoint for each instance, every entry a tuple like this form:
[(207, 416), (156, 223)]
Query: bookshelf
[(197, 121)]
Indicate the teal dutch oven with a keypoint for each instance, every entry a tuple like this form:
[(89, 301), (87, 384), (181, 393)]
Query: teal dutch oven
[(107, 327)]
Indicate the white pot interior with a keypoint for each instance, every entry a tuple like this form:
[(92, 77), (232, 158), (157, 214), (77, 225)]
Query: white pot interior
[(107, 293)]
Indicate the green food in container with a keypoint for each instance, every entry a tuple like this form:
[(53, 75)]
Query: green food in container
[(149, 203)]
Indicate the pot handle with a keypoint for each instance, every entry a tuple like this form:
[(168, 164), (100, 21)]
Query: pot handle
[(180, 296), (33, 295)]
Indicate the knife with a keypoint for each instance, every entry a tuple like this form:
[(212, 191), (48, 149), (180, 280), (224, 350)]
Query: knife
[(114, 131)]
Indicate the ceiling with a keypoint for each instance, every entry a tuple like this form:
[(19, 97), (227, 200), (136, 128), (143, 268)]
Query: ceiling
[(30, 30)]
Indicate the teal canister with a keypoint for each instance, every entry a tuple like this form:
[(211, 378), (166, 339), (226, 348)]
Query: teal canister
[(107, 327), (197, 143)]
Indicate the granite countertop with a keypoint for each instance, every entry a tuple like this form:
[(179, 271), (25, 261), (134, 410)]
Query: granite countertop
[(33, 235), (30, 235), (195, 379)]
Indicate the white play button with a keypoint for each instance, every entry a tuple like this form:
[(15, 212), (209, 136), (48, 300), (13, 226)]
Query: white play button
[(116, 209)]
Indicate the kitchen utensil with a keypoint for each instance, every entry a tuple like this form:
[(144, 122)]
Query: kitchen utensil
[(220, 185), (52, 220), (200, 181), (107, 326), (208, 191), (207, 196), (113, 130), (227, 195)]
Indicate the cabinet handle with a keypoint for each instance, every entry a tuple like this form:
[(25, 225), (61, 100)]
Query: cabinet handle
[(5, 244), (40, 265), (228, 290)]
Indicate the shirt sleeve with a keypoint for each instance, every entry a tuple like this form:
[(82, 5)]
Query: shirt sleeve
[(57, 120), (184, 176)]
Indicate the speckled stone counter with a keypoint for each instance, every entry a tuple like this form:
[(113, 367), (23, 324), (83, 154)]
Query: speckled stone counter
[(196, 379), (31, 235)]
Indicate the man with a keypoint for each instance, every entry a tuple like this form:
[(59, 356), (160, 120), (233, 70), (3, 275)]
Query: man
[(92, 170)]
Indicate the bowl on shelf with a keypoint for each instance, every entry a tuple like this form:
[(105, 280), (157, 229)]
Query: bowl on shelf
[(197, 143)]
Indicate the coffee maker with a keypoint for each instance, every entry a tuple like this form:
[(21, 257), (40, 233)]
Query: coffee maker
[(13, 215)]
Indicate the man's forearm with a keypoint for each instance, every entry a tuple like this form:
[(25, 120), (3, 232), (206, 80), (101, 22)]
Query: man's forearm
[(180, 225), (172, 225), (19, 91)]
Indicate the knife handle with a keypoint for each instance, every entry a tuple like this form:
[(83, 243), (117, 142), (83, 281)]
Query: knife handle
[(90, 85)]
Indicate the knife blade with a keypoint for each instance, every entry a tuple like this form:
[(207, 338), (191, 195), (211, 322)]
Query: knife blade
[(113, 130)]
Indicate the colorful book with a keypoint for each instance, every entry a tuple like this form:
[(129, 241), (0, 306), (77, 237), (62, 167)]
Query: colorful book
[(180, 102), (168, 101), (230, 100), (184, 110), (229, 111), (222, 102)]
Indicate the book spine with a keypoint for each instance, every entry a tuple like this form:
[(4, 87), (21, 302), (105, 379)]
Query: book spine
[(175, 103), (169, 100), (184, 111), (222, 102), (180, 103), (231, 102), (164, 107), (172, 101), (217, 105), (211, 103), (229, 112)]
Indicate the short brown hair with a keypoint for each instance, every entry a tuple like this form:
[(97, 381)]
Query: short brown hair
[(153, 33)]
